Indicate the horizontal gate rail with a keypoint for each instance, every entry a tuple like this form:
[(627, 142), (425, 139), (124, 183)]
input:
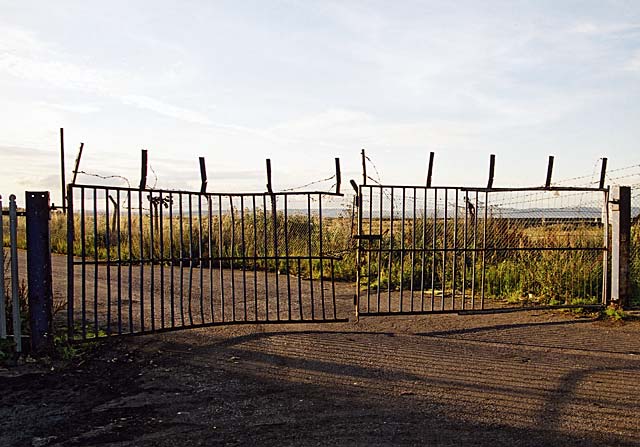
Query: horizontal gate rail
[(143, 260)]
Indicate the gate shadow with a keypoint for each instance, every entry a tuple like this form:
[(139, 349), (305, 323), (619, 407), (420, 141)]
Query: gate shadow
[(427, 389)]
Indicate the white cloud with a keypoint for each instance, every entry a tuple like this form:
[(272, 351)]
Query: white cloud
[(600, 28), (633, 64), (73, 108), (27, 58), (162, 108)]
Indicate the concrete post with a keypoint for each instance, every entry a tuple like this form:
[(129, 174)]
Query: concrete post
[(620, 203)]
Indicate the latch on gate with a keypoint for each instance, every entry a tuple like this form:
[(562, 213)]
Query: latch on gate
[(369, 237)]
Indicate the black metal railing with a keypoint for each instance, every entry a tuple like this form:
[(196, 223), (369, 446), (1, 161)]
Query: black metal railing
[(446, 249), (146, 260)]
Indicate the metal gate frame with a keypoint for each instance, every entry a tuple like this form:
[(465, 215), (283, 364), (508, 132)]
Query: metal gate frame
[(188, 241), (453, 248)]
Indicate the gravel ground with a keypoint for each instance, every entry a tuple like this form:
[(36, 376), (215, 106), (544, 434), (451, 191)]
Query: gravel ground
[(523, 379)]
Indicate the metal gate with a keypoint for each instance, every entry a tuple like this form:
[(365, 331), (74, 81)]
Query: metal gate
[(148, 260), (445, 249)]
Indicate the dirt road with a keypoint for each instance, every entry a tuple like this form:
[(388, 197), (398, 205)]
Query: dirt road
[(527, 379)]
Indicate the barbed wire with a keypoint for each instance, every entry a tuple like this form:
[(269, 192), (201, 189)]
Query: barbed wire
[(106, 177), (571, 199), (315, 182), (155, 183), (374, 168)]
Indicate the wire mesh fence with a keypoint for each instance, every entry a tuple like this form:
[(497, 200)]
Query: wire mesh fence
[(450, 249)]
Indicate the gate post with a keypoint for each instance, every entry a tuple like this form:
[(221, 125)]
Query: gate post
[(620, 203), (39, 271)]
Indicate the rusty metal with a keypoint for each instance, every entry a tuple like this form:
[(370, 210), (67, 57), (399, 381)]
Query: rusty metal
[(603, 173), (76, 166), (62, 171)]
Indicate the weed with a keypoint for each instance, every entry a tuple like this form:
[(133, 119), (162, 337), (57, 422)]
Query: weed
[(615, 312), (76, 348)]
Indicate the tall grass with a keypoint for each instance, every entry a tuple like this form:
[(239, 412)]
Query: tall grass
[(551, 276), (514, 253)]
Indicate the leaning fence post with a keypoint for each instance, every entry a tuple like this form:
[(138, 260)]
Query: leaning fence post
[(492, 166), (338, 176), (603, 173), (203, 176), (430, 169), (143, 169), (547, 183), (39, 271), (620, 203)]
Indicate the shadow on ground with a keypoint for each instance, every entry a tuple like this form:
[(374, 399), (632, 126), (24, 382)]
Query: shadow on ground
[(525, 383)]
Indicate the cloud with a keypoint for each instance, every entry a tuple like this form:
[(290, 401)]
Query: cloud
[(633, 64), (596, 28), (24, 56), (162, 108), (73, 108), (9, 152)]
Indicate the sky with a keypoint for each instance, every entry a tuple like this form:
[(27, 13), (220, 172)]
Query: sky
[(302, 82)]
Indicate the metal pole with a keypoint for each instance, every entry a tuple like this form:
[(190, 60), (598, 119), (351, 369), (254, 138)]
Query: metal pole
[(492, 165), (77, 166), (3, 310), (603, 173), (364, 167), (547, 183), (430, 170), (203, 176), (15, 281), (621, 237), (62, 176), (143, 172), (269, 186), (605, 254), (39, 271)]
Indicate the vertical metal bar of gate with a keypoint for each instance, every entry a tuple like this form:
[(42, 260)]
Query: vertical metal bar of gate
[(70, 263), (13, 236), (424, 250), (3, 309), (455, 252), (484, 247), (391, 218), (444, 250), (102, 246)]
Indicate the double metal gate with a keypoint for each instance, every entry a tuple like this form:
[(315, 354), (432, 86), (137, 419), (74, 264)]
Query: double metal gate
[(440, 249), (149, 260), (146, 260)]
